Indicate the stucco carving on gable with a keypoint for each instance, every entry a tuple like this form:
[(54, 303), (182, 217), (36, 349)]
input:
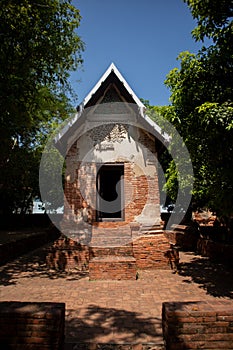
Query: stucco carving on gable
[(108, 133)]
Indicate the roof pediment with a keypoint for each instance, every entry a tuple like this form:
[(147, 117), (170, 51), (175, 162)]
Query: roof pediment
[(111, 88), (112, 78)]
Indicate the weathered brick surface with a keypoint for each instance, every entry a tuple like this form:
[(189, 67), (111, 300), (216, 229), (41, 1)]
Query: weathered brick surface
[(148, 251), (198, 325), (140, 190), (139, 186), (215, 250), (66, 254), (111, 254), (184, 236), (154, 251), (109, 251), (80, 184), (38, 326), (112, 268)]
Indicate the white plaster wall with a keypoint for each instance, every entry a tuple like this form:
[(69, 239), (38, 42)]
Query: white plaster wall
[(125, 149)]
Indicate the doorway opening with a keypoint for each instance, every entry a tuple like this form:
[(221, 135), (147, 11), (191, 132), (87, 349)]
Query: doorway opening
[(110, 192)]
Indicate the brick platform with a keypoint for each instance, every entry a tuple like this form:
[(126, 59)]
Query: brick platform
[(38, 326), (66, 254), (115, 248), (24, 243), (215, 250), (124, 313), (198, 325), (183, 236), (111, 254), (153, 251), (112, 268)]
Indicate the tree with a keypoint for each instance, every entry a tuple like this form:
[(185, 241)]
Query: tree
[(202, 107), (39, 47), (213, 18)]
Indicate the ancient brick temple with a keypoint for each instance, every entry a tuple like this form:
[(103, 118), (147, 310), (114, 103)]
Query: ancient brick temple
[(112, 201)]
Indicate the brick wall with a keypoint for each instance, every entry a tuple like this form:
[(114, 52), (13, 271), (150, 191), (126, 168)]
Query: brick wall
[(141, 185), (147, 251), (198, 325), (35, 326), (112, 268), (80, 183), (154, 251), (215, 250), (183, 236), (66, 254), (142, 201), (138, 198), (139, 188), (13, 249)]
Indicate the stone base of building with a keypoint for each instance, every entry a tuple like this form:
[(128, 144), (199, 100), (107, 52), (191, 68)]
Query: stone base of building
[(115, 254)]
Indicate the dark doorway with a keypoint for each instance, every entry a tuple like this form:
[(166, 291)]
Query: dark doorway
[(110, 192)]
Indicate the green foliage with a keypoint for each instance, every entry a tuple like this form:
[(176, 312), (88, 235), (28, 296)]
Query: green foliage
[(39, 46), (213, 17), (202, 107), (50, 173), (174, 160)]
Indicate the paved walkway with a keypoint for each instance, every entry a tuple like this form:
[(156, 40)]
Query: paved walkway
[(115, 311)]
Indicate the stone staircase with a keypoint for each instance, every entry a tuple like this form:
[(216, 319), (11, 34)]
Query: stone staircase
[(111, 254)]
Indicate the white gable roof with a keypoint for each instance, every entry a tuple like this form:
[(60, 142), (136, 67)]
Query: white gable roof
[(77, 120), (112, 68)]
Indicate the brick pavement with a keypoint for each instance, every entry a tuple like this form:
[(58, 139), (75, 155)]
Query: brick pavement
[(118, 312)]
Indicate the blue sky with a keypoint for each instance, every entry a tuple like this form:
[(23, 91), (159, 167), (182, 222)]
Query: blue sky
[(142, 37)]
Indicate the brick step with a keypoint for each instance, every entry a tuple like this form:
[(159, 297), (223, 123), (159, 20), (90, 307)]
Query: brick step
[(109, 242), (71, 345), (126, 250), (151, 232), (110, 239), (151, 229), (112, 268), (112, 231), (181, 228)]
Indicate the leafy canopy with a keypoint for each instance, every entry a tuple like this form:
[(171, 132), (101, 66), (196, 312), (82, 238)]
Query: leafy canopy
[(202, 107), (39, 47)]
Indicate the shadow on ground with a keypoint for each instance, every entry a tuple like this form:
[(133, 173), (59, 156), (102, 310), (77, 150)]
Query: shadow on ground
[(33, 265), (112, 325), (215, 278)]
